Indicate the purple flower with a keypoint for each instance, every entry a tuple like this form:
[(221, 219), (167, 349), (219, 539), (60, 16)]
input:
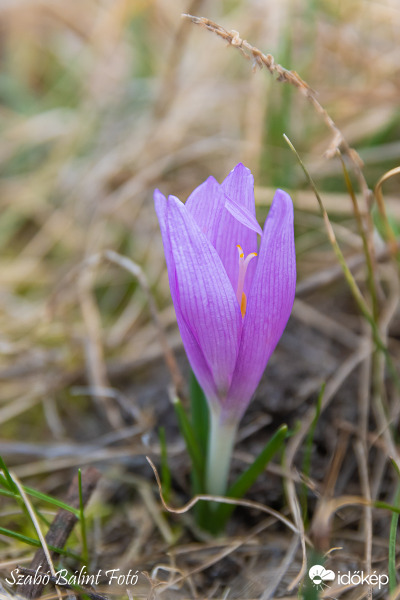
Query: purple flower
[(232, 301)]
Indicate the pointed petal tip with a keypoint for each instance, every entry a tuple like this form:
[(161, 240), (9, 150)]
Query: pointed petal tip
[(240, 167), (281, 208), (158, 195), (283, 196), (160, 205), (211, 178), (209, 187), (160, 202), (175, 202)]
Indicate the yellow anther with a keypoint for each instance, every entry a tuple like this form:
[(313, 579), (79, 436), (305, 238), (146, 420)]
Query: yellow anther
[(243, 264), (241, 253), (243, 305)]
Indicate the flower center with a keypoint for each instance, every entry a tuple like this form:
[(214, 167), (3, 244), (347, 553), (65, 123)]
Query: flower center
[(243, 264)]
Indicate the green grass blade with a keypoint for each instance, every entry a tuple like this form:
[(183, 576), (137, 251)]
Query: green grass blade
[(44, 498), (200, 423), (53, 501), (9, 484), (189, 436), (199, 413), (198, 462), (246, 479), (392, 538), (386, 506), (82, 519), (3, 481), (308, 590), (7, 493), (392, 545), (32, 542), (8, 480)]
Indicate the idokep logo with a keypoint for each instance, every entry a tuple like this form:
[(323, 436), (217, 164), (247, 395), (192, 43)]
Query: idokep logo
[(319, 576)]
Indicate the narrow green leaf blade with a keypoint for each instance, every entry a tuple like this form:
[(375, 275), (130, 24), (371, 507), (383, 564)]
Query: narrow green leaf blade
[(392, 546), (190, 439), (53, 501), (392, 539), (3, 481), (8, 483), (85, 552), (9, 480), (7, 494), (32, 542), (199, 413)]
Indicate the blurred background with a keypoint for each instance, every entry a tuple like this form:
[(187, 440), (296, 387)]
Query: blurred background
[(101, 101)]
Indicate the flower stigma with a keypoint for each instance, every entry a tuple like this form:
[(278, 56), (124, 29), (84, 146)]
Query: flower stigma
[(243, 264)]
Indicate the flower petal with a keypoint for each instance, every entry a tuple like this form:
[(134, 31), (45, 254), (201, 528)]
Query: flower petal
[(206, 205), (193, 350), (269, 304), (239, 188), (242, 214), (205, 296), (202, 291)]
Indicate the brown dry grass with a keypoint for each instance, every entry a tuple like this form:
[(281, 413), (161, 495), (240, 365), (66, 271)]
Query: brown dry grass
[(103, 103)]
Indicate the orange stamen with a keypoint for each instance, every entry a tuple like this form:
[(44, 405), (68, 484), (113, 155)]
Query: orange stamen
[(243, 264), (243, 305)]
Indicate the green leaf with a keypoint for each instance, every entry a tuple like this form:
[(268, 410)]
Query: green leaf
[(7, 480), (192, 444), (199, 413), (11, 491), (308, 590), (246, 479), (7, 494), (45, 498), (32, 542), (85, 552), (386, 506), (392, 539), (200, 424), (9, 484)]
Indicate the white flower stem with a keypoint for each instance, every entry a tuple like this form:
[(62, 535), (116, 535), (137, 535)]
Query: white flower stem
[(220, 446)]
